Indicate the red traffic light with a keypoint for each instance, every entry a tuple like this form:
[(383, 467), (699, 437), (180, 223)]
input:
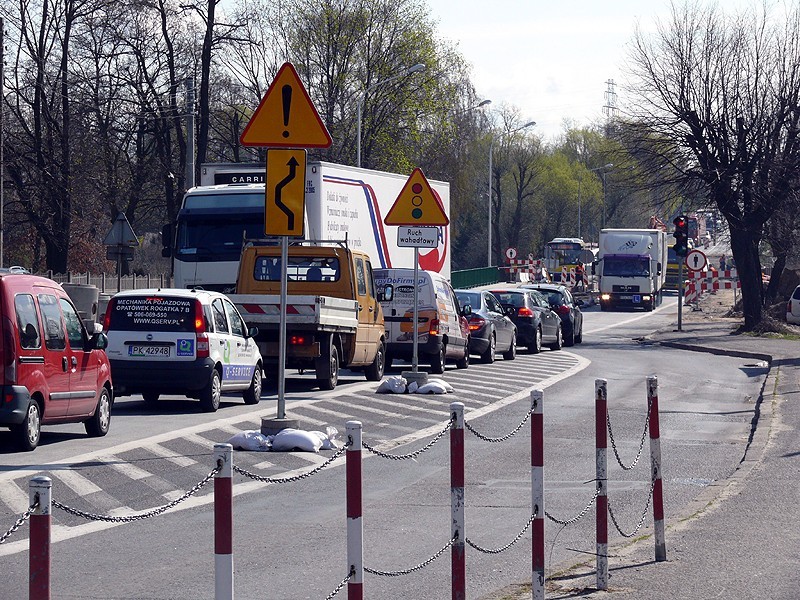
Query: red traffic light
[(679, 222)]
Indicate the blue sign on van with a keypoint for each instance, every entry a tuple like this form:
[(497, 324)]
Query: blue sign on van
[(185, 348)]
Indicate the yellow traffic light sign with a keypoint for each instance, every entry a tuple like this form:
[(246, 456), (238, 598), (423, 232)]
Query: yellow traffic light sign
[(417, 204), (285, 192), (286, 117)]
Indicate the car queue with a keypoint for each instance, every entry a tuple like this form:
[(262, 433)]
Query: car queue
[(60, 368)]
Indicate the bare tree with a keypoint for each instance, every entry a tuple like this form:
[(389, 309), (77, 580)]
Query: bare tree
[(717, 101)]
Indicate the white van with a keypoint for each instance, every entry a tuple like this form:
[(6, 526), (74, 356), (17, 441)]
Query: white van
[(442, 330), (175, 341)]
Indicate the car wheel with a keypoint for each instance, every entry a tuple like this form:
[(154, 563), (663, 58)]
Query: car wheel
[(463, 362), (536, 347), (28, 433), (437, 361), (569, 338), (511, 353), (252, 395), (211, 395), (488, 356), (328, 369), (150, 397), (374, 372), (559, 340), (99, 423)]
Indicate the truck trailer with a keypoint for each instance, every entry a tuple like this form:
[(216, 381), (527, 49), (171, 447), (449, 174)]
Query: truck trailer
[(632, 268), (341, 202)]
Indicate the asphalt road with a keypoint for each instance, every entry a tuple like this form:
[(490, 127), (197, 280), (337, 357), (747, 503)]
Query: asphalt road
[(290, 538)]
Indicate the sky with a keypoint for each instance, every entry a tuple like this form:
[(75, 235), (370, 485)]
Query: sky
[(550, 59)]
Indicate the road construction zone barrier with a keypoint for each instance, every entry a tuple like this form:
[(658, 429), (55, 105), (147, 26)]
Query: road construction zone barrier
[(571, 278), (524, 269), (709, 281), (42, 502)]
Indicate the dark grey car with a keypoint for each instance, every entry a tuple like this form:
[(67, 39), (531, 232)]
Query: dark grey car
[(537, 325), (568, 308), (490, 329)]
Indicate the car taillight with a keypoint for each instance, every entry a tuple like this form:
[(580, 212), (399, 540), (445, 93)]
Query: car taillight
[(433, 328), (562, 309), (476, 323), (107, 317), (203, 348), (524, 312), (8, 353)]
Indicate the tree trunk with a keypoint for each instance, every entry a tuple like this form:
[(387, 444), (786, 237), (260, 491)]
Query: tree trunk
[(744, 245), (775, 279)]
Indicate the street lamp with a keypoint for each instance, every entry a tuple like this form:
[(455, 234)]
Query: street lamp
[(403, 73), (491, 146), (603, 170)]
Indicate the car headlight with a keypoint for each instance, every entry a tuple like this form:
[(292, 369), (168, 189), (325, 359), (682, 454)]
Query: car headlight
[(605, 297)]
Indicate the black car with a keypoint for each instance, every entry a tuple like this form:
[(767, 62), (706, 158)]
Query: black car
[(490, 329), (568, 308), (537, 325)]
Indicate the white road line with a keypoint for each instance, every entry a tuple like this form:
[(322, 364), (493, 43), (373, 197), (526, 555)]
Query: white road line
[(165, 453), (631, 320), (432, 408), (75, 481), (15, 497), (127, 469)]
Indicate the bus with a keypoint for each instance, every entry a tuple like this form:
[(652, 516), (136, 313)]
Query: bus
[(562, 252)]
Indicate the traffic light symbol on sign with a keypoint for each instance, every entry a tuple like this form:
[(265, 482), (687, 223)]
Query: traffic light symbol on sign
[(417, 204), (681, 235)]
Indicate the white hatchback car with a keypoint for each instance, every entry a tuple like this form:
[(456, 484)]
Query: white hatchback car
[(177, 341), (793, 307)]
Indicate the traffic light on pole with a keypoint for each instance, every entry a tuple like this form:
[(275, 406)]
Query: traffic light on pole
[(681, 235)]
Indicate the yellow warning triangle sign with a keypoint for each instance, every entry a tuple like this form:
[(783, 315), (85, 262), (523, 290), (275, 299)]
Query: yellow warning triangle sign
[(286, 117), (417, 204)]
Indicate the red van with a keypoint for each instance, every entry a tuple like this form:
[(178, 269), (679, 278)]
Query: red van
[(52, 370)]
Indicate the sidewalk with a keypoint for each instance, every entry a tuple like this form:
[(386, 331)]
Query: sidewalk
[(740, 538)]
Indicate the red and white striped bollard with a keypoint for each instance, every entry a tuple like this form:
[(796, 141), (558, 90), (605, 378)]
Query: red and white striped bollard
[(223, 522), (601, 479), (39, 491), (655, 466), (458, 560), (537, 494), (355, 525)]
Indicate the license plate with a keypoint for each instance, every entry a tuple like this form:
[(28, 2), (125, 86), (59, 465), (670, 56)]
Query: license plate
[(143, 350), (637, 298), (625, 297)]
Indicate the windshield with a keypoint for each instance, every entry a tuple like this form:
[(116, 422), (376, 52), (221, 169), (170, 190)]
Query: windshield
[(626, 266), (564, 253), (471, 299), (216, 237)]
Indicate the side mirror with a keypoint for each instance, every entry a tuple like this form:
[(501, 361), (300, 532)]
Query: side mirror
[(252, 332), (98, 341), (509, 311), (386, 293), (466, 310)]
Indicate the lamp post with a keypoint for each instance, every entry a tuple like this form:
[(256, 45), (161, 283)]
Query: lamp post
[(491, 146), (603, 170), (403, 73)]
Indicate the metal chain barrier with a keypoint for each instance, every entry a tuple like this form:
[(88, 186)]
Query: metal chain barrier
[(498, 439), (25, 516), (413, 454), (641, 519), (145, 515), (421, 565), (507, 546), (641, 443), (341, 585), (293, 478), (580, 514)]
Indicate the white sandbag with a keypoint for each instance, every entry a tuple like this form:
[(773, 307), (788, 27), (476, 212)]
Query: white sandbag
[(328, 438), (289, 440), (434, 386), (392, 385), (252, 440), (413, 387)]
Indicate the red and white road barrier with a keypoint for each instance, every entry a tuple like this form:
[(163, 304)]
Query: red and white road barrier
[(458, 560), (601, 478), (537, 494), (355, 524), (655, 466), (223, 522), (40, 493)]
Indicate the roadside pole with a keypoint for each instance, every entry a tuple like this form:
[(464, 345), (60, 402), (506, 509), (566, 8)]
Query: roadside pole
[(415, 356), (680, 296)]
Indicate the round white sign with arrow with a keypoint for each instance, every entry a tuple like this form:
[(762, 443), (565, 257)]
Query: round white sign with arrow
[(696, 260)]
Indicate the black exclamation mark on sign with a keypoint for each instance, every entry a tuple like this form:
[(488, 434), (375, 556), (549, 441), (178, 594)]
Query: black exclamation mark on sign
[(286, 93)]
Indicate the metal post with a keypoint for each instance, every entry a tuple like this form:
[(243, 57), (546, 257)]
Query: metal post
[(680, 295), (2, 139), (189, 132), (489, 234), (537, 494), (355, 526), (655, 466), (282, 333), (415, 345), (458, 562), (601, 477), (223, 523), (39, 491)]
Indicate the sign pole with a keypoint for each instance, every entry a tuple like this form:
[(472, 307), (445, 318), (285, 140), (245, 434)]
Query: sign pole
[(282, 335), (680, 295), (414, 358)]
